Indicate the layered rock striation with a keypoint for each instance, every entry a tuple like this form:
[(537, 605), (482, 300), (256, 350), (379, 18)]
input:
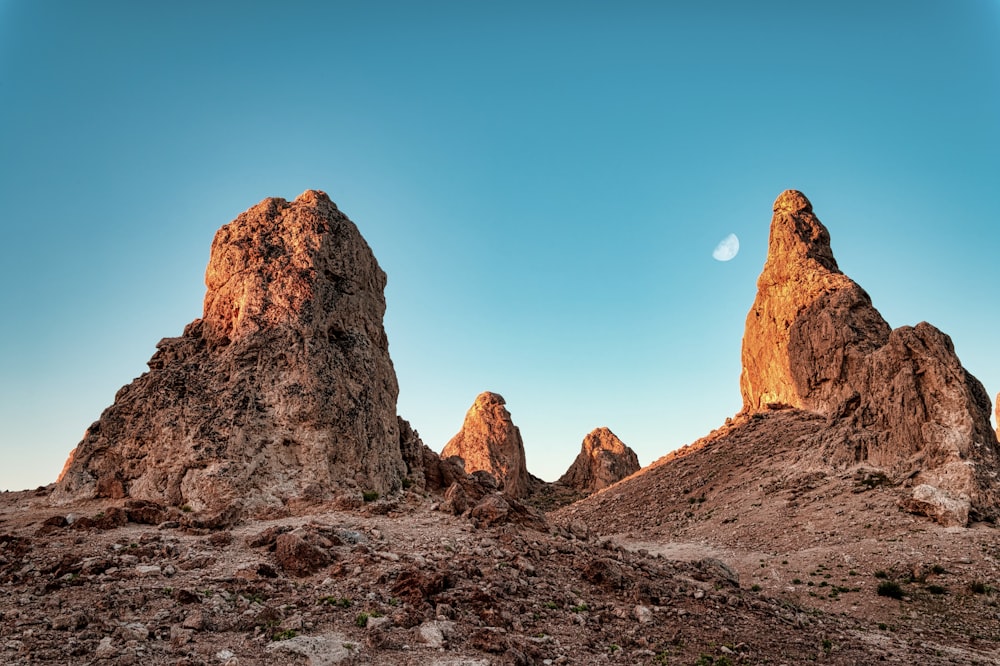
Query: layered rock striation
[(283, 388), (603, 460), (490, 442), (900, 399)]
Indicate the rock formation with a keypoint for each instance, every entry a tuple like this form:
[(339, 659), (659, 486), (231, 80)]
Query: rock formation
[(603, 460), (283, 388), (901, 397), (489, 441)]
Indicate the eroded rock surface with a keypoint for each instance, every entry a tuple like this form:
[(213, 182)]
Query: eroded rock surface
[(901, 398), (603, 460), (283, 388), (489, 441)]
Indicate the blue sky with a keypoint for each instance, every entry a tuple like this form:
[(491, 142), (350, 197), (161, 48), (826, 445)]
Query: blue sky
[(543, 182)]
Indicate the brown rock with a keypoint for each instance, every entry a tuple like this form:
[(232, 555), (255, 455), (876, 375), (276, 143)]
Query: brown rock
[(498, 509), (284, 385), (489, 441), (411, 448), (455, 500), (901, 398), (603, 460), (297, 556)]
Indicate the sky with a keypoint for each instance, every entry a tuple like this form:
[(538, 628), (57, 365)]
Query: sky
[(543, 182)]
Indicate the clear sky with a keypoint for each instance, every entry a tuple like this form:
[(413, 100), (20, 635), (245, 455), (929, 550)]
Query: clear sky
[(543, 182)]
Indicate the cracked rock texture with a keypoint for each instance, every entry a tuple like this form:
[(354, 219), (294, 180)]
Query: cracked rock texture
[(898, 399), (283, 389), (603, 460)]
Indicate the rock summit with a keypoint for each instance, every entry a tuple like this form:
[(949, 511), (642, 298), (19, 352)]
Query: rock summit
[(603, 460)]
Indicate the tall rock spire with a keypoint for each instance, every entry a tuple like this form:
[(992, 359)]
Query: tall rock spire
[(900, 398), (284, 387), (489, 441)]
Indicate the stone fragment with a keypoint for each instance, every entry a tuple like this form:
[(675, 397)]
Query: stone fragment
[(929, 501), (297, 556), (320, 650)]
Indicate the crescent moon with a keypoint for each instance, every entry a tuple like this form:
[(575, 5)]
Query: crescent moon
[(727, 248)]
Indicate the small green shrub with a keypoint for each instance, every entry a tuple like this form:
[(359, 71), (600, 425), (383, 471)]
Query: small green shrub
[(339, 602), (881, 574), (369, 495), (890, 589), (979, 587), (361, 619), (284, 635), (937, 589)]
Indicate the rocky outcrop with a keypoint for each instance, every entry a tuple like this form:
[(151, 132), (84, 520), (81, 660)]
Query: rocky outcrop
[(900, 398), (490, 442), (283, 388), (603, 460)]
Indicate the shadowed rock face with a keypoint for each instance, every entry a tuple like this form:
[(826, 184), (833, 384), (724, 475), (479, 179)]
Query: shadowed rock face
[(603, 460), (901, 397), (283, 388), (489, 441)]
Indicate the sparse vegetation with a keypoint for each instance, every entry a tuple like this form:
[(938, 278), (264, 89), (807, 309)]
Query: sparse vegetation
[(369, 495), (339, 602), (890, 589), (979, 587), (937, 589), (284, 635)]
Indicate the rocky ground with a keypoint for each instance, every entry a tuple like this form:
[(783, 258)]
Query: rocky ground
[(398, 582)]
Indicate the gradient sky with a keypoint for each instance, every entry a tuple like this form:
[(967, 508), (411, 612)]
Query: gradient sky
[(543, 182)]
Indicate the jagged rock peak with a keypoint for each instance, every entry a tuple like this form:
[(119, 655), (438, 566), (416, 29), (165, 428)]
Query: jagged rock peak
[(283, 389), (603, 460), (814, 341), (489, 441)]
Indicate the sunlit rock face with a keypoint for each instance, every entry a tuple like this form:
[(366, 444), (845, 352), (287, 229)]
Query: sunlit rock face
[(814, 341), (603, 460), (489, 441), (283, 388)]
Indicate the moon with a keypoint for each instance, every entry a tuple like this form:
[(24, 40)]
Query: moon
[(727, 248)]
